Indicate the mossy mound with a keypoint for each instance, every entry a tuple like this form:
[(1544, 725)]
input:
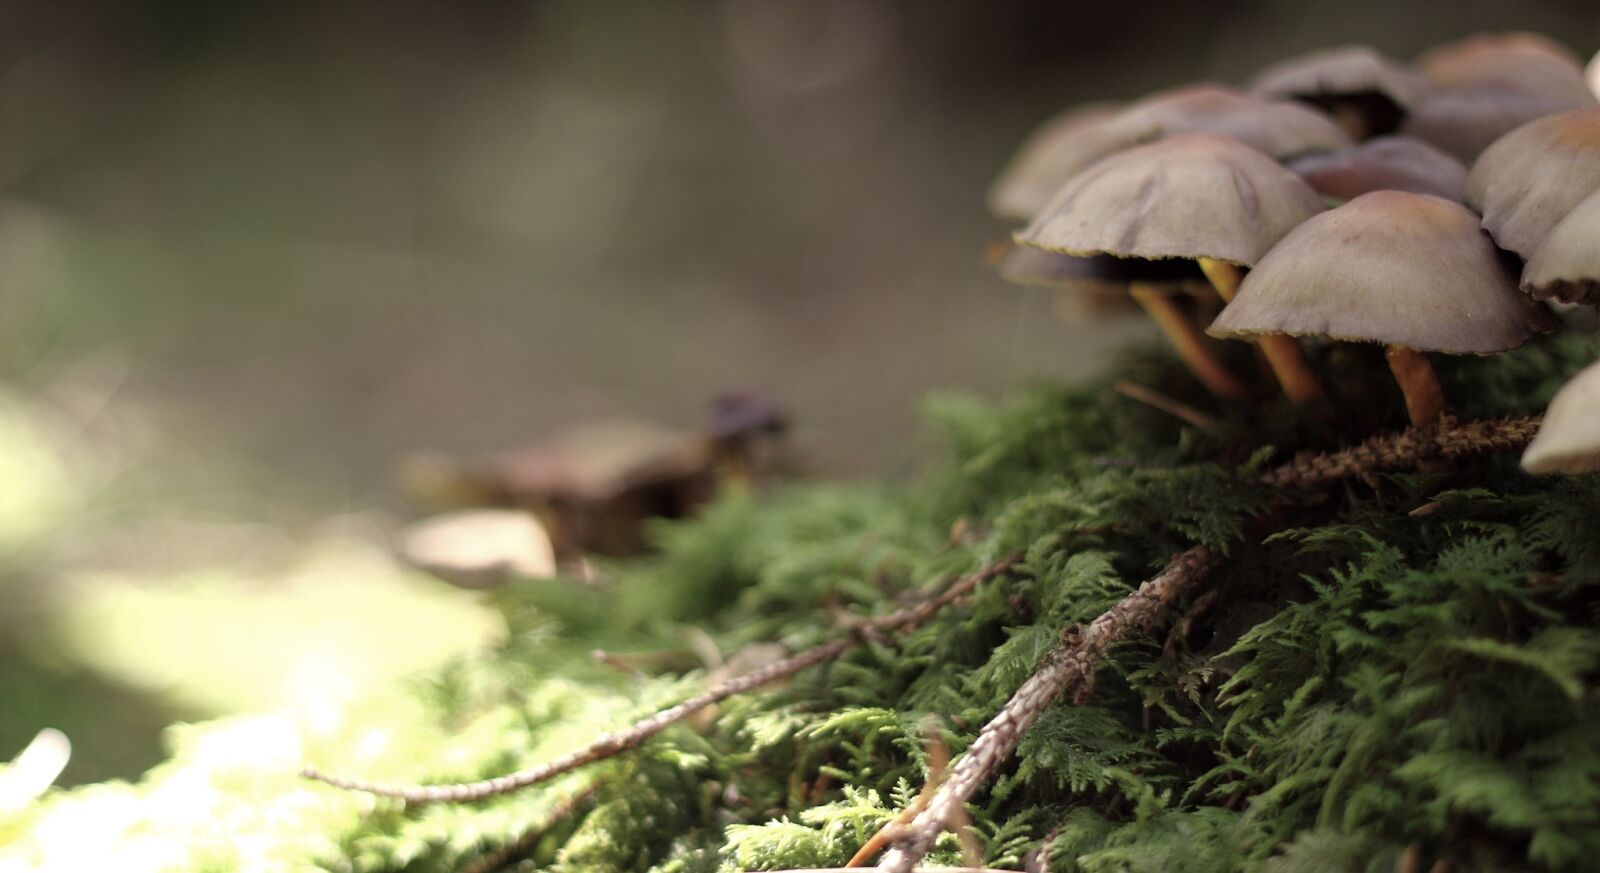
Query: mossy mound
[(1399, 670)]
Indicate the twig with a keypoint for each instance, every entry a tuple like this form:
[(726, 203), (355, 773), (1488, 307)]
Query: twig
[(1448, 438), (492, 861), (1175, 408), (1070, 665), (616, 742), (1038, 860)]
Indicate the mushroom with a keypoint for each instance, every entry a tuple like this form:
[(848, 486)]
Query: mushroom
[(1410, 271), (1464, 121), (1093, 285), (1567, 264), (1490, 84), (479, 548), (1199, 197), (1050, 156), (1281, 129), (1569, 439), (1524, 61), (1533, 176), (1365, 92), (1387, 163), (1593, 74), (744, 431)]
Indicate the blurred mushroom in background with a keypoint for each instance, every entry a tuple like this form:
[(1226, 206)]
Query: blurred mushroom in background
[(479, 548), (1491, 84), (1365, 92)]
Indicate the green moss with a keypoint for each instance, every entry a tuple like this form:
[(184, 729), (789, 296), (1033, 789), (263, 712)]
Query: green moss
[(1407, 665)]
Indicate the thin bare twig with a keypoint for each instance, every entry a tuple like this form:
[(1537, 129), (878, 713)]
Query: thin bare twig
[(1068, 666), (616, 742), (1173, 407)]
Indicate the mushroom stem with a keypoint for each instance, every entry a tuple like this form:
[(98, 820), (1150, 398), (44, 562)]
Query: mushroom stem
[(1189, 342), (1419, 384), (1283, 354)]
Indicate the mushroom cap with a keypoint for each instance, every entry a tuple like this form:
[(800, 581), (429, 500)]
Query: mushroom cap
[(742, 412), (1280, 129), (1098, 274), (1569, 439), (1567, 265), (1464, 121), (1526, 62), (479, 548), (1593, 74), (1389, 267), (1346, 71), (1051, 155), (1387, 163), (1197, 195), (1532, 177)]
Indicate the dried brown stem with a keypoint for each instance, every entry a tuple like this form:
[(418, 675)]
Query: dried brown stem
[(492, 861), (1068, 666), (616, 742), (1444, 438)]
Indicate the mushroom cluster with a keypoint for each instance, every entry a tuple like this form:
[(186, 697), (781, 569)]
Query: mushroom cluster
[(1342, 197)]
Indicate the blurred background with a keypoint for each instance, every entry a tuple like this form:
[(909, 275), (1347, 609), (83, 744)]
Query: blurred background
[(251, 253)]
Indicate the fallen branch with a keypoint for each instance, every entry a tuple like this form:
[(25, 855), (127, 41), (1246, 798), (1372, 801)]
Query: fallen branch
[(1069, 666), (616, 742), (1448, 438)]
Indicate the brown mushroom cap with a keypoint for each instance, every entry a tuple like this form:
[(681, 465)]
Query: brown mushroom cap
[(1379, 88), (1526, 62), (1280, 129), (1340, 72), (1197, 195), (1532, 177), (1465, 121), (1100, 274), (1051, 155), (1567, 265), (1569, 439), (1389, 267), (1387, 163)]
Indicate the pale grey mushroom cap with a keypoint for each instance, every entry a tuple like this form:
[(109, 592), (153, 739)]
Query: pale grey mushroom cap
[(1528, 62), (1388, 267), (1593, 75), (1346, 71), (1197, 195), (1533, 176), (1569, 439), (1567, 265), (1387, 163), (1051, 155), (1465, 121), (1280, 129)]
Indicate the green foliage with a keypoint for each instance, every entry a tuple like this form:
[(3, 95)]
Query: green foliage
[(1406, 667)]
